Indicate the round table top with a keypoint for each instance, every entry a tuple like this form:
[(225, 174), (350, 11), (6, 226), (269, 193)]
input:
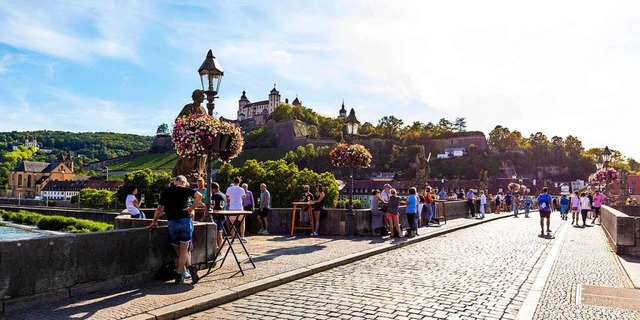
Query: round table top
[(230, 212)]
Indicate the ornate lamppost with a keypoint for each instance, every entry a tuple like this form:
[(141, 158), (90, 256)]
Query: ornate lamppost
[(351, 123), (212, 72)]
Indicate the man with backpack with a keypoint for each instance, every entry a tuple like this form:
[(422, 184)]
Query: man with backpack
[(544, 207)]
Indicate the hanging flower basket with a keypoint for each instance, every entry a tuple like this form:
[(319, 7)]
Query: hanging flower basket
[(607, 175), (198, 135), (345, 155)]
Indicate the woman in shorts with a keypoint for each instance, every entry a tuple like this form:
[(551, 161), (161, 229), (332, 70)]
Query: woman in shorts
[(575, 208), (392, 212)]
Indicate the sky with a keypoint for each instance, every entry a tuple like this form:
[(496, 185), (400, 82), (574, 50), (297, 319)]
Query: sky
[(558, 67)]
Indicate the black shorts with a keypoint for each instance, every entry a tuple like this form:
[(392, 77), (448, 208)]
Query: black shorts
[(545, 214), (596, 209), (247, 208), (264, 212)]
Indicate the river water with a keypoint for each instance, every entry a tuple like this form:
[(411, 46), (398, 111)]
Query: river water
[(11, 233)]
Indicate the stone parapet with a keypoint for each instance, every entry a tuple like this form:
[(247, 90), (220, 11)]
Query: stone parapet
[(622, 229), (67, 264), (336, 221)]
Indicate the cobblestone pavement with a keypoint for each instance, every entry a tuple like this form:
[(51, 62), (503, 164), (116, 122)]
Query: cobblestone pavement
[(475, 273), (585, 258), (273, 255)]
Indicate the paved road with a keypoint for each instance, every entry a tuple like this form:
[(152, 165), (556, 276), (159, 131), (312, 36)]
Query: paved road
[(476, 273), (584, 258)]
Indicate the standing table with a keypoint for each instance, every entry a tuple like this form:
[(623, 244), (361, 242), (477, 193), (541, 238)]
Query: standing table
[(302, 205), (229, 240)]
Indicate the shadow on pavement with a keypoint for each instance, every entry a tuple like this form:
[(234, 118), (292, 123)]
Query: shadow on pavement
[(99, 300), (273, 253)]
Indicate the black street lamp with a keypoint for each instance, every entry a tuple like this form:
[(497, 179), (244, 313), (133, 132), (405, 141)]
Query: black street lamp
[(351, 123), (212, 71)]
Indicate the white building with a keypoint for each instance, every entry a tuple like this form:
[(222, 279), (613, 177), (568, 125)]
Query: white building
[(452, 152)]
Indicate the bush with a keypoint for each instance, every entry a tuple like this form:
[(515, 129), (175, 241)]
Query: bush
[(344, 204), (59, 223), (55, 223)]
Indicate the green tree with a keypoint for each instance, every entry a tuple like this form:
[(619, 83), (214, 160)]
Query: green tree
[(97, 199), (163, 129), (460, 125), (389, 126), (147, 182)]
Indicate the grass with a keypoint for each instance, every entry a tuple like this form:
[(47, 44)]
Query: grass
[(54, 223), (153, 161)]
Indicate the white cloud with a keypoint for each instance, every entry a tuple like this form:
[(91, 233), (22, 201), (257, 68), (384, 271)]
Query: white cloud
[(78, 31)]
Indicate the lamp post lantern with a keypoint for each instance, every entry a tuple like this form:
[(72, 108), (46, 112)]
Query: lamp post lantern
[(351, 123), (212, 72)]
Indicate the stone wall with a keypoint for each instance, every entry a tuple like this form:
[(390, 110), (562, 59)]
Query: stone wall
[(336, 221), (622, 229), (59, 267), (458, 140)]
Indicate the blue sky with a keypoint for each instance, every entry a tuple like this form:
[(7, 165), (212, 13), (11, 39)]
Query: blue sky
[(560, 67)]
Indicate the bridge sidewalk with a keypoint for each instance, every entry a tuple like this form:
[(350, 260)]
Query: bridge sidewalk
[(278, 258)]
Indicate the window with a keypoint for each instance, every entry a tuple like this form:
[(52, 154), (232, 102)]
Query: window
[(29, 181), (19, 180)]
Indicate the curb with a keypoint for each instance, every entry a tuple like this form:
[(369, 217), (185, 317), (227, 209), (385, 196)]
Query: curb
[(545, 265), (205, 302)]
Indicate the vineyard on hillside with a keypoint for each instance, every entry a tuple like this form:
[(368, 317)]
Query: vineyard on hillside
[(167, 160)]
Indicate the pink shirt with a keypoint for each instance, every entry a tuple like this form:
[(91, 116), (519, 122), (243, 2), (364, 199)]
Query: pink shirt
[(597, 199)]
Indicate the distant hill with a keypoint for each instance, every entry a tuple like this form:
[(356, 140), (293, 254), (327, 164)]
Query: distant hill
[(93, 145)]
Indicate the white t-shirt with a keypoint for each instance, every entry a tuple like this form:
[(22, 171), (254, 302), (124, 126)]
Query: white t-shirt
[(129, 203), (584, 203), (385, 195), (235, 194)]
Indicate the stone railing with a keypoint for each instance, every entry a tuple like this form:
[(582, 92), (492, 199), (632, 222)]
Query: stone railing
[(58, 267), (622, 226), (336, 222)]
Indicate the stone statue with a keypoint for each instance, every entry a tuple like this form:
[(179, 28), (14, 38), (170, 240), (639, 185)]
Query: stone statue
[(423, 168), (484, 180), (197, 167)]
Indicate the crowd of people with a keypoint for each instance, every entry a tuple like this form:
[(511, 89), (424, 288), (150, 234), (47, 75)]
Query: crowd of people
[(183, 205)]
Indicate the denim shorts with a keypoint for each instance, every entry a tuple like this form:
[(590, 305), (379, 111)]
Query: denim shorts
[(180, 231), (219, 224)]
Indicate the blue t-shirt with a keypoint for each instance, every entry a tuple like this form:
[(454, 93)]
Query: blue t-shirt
[(265, 197), (507, 199), (412, 202), (544, 202), (527, 203), (564, 201)]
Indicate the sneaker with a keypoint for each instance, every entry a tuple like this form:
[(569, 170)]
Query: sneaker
[(260, 231), (265, 232), (243, 240), (548, 231), (186, 274), (194, 275)]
